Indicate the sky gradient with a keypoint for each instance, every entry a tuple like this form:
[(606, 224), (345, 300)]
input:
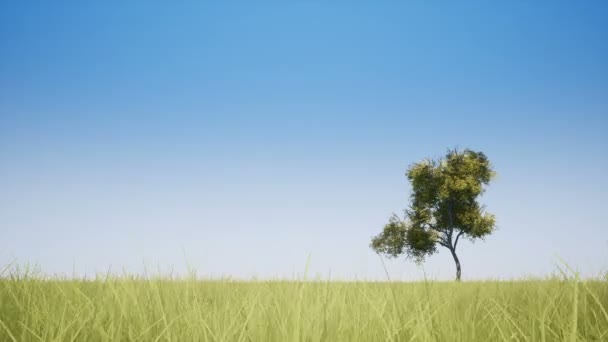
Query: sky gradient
[(242, 138)]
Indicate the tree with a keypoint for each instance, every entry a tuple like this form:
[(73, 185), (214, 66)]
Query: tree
[(443, 209)]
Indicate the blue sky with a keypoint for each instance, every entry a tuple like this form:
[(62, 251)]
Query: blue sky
[(243, 138)]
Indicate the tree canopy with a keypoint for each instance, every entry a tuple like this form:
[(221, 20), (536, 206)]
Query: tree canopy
[(444, 207)]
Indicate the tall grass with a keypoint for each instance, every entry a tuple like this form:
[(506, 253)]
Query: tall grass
[(129, 308)]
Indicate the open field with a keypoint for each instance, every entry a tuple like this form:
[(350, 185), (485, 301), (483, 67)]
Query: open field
[(136, 309)]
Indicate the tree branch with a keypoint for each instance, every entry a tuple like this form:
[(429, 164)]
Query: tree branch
[(457, 237), (443, 241), (432, 226), (443, 244), (451, 221)]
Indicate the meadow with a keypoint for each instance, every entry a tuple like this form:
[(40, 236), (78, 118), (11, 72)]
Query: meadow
[(132, 308)]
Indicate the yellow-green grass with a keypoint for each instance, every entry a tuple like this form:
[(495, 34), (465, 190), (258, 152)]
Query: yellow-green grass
[(34, 308)]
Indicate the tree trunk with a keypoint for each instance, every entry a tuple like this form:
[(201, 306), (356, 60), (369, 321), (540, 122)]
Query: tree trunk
[(457, 262)]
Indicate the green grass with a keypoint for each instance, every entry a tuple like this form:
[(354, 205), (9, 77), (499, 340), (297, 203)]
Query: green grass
[(34, 308)]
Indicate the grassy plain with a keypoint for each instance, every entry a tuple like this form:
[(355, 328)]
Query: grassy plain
[(127, 308)]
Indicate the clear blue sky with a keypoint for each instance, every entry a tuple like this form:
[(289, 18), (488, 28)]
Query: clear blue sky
[(250, 136)]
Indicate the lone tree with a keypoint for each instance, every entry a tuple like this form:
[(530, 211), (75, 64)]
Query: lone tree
[(443, 208)]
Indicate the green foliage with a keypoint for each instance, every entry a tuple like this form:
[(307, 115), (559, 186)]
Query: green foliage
[(392, 239), (443, 207)]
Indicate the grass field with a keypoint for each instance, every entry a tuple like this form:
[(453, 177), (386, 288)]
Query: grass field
[(34, 308)]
